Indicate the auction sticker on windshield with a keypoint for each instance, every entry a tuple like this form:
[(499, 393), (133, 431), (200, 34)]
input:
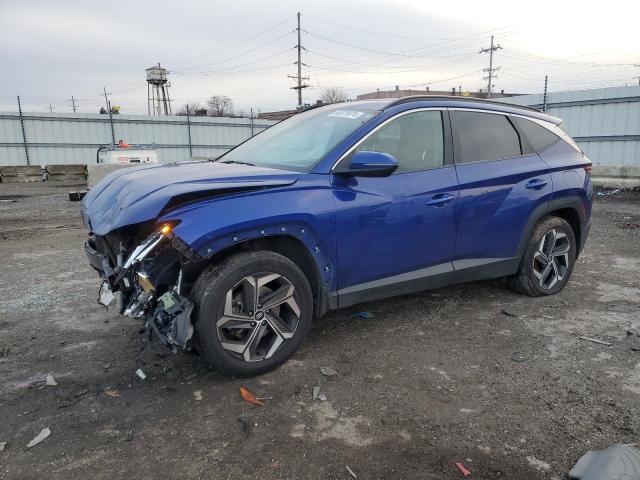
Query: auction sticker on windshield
[(345, 114)]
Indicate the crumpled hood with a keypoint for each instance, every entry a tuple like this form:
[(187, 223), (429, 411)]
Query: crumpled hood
[(138, 194)]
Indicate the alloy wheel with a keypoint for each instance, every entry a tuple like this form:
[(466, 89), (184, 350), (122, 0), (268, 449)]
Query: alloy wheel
[(260, 313), (551, 260)]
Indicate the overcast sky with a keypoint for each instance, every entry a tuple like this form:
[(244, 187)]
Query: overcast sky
[(51, 50)]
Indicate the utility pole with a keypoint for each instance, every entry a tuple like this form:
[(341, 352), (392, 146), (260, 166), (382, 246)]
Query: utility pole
[(637, 65), (73, 103), (50, 108), (491, 75), (299, 78), (106, 99), (544, 97)]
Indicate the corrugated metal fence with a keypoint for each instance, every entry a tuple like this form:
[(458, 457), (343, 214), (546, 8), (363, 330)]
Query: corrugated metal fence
[(58, 138), (605, 121)]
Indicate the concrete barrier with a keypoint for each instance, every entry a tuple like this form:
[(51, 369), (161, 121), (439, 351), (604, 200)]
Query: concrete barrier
[(97, 171), (615, 176), (66, 172), (21, 174)]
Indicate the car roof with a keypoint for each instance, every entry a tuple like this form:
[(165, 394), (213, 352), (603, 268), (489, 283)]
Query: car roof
[(453, 102)]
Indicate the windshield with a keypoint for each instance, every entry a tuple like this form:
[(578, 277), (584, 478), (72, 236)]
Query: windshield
[(299, 142)]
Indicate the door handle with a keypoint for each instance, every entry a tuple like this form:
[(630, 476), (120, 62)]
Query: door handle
[(440, 199), (536, 184)]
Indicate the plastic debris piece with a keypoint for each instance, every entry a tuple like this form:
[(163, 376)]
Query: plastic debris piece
[(328, 371), (518, 358), (351, 472), (141, 374), (508, 313), (595, 340), (51, 381), (363, 315), (463, 470), (112, 392), (44, 433), (2, 445), (197, 395), (318, 395), (248, 396), (617, 462)]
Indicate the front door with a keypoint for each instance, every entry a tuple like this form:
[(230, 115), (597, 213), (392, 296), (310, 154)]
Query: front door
[(394, 233)]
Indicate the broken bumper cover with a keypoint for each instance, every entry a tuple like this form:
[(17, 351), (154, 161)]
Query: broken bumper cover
[(167, 316), (99, 261)]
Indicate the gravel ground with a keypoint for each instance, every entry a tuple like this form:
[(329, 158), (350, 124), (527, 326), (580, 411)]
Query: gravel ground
[(473, 374)]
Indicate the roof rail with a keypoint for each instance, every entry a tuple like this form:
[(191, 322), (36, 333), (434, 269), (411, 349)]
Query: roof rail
[(460, 98)]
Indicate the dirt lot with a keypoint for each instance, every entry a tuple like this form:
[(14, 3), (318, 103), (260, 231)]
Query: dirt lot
[(432, 379)]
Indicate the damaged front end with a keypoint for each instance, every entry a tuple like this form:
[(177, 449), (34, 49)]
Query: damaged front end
[(149, 281)]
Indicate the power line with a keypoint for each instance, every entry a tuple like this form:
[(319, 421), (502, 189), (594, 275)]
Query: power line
[(352, 28), (231, 47), (239, 54)]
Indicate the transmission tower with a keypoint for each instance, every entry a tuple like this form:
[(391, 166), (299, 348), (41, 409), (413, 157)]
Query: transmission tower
[(299, 78), (491, 70)]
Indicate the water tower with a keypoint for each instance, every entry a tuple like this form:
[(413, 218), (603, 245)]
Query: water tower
[(158, 101)]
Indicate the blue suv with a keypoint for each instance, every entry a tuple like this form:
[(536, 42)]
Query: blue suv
[(335, 206)]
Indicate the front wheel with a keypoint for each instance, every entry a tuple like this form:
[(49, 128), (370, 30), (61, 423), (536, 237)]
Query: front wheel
[(252, 312), (548, 260)]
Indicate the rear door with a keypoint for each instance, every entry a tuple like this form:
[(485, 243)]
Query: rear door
[(500, 187)]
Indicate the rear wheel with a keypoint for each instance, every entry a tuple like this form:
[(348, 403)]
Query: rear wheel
[(252, 311), (548, 260)]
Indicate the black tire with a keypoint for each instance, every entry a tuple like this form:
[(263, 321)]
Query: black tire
[(526, 280), (209, 294)]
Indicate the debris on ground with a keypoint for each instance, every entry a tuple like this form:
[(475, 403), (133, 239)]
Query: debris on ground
[(112, 392), (328, 371), (463, 470), (595, 340), (129, 434), (197, 395), (318, 395), (351, 472), (363, 315), (518, 358), (508, 313), (246, 425), (44, 433), (2, 445), (615, 463), (141, 374), (50, 381), (248, 396)]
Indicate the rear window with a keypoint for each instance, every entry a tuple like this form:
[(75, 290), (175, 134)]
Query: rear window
[(536, 137), (483, 136)]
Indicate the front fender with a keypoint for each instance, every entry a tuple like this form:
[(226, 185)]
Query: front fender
[(304, 211)]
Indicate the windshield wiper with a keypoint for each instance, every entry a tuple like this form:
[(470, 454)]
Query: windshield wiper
[(238, 162)]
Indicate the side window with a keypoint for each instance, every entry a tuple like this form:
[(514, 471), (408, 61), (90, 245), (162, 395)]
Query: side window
[(481, 136), (536, 137), (414, 139)]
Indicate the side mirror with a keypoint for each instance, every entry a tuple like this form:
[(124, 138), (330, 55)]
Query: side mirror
[(369, 164)]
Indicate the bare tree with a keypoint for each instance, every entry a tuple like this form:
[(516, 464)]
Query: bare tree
[(333, 95), (220, 106), (195, 110)]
